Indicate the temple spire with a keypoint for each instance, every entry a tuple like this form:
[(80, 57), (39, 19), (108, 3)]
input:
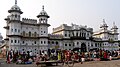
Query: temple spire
[(114, 23), (43, 7), (103, 20), (15, 2)]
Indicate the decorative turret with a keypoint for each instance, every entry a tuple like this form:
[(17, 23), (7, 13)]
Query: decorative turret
[(43, 16), (43, 28), (104, 25), (15, 12), (114, 28)]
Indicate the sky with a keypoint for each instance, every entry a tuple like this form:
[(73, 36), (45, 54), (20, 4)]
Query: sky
[(80, 12)]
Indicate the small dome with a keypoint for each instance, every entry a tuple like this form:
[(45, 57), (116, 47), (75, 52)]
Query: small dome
[(15, 7), (104, 24), (114, 26), (43, 13)]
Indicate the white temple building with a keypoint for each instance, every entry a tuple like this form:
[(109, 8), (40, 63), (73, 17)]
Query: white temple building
[(23, 34)]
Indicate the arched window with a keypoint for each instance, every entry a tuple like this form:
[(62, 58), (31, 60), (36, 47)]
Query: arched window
[(41, 19), (80, 34), (23, 42), (48, 42), (29, 34), (15, 41), (77, 43), (44, 42), (35, 42), (52, 42), (41, 42), (73, 33), (15, 15), (15, 30), (69, 44), (65, 35), (65, 44), (35, 34), (76, 33), (11, 30), (56, 43), (95, 44)]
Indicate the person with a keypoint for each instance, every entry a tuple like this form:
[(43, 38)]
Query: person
[(75, 56), (8, 57), (19, 61), (30, 61), (110, 57), (31, 55), (59, 56), (37, 59), (82, 58), (67, 56)]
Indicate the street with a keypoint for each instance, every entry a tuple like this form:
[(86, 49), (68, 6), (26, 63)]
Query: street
[(113, 63)]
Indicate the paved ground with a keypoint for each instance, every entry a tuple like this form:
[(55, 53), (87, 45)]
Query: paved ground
[(113, 63)]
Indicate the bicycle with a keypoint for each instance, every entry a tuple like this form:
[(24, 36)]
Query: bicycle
[(68, 61)]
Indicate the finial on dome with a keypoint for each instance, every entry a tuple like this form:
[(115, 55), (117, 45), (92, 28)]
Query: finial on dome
[(103, 20), (114, 23), (43, 7), (15, 2)]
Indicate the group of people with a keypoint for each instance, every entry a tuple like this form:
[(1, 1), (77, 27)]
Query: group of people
[(17, 57), (66, 55)]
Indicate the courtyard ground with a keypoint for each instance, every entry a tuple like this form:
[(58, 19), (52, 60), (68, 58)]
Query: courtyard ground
[(113, 63)]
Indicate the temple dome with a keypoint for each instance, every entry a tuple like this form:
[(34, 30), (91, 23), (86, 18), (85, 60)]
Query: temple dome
[(15, 8), (43, 13), (114, 26)]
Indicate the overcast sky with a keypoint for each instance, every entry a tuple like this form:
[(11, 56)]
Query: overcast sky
[(81, 12)]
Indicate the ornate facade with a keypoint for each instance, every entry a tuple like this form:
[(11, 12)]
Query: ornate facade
[(32, 35), (109, 38), (26, 34)]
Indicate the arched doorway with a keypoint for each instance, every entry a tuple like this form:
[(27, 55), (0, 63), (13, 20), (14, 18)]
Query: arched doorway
[(83, 47)]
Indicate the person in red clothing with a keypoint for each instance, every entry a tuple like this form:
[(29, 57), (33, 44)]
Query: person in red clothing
[(8, 57), (76, 56), (67, 55), (105, 55)]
